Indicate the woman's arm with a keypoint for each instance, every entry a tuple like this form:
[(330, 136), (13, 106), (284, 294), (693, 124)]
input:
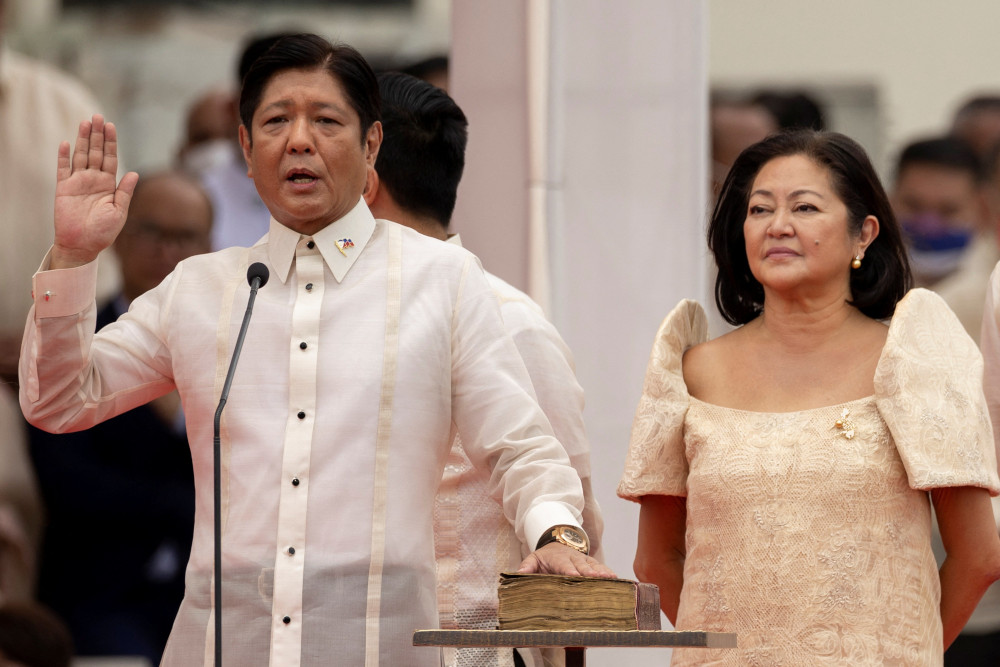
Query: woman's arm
[(972, 563), (659, 557)]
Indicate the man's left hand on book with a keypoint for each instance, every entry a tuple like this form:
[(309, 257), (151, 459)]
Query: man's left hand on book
[(556, 558)]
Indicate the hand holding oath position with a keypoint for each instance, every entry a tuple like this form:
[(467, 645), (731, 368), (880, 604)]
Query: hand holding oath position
[(560, 559), (90, 210)]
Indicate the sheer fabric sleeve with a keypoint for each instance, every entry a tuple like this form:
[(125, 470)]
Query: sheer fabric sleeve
[(656, 462), (929, 391)]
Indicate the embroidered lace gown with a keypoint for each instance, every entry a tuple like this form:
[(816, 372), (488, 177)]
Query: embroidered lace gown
[(812, 546)]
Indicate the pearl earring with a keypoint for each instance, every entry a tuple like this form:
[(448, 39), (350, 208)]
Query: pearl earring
[(856, 262)]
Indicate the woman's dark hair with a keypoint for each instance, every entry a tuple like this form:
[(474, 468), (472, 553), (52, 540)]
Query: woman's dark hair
[(884, 276), (306, 52), (32, 635)]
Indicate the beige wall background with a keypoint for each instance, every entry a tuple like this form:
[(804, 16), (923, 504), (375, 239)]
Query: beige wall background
[(585, 185), (922, 56)]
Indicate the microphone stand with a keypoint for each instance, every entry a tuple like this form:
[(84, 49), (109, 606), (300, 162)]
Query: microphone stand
[(257, 276)]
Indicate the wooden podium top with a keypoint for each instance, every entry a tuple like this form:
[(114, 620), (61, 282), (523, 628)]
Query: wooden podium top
[(574, 638)]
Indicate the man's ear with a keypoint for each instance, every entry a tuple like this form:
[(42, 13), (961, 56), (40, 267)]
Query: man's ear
[(373, 141), (372, 184), (247, 148)]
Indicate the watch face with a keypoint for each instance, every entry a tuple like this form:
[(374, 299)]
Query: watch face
[(573, 538)]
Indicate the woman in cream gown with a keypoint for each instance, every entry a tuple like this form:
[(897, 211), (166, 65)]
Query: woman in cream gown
[(786, 470)]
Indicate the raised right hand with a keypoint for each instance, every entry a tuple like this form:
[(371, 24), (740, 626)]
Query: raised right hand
[(90, 210)]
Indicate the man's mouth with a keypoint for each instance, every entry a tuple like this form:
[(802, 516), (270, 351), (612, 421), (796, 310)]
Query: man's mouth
[(301, 177)]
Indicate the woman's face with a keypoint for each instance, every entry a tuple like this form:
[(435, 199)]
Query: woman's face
[(796, 229)]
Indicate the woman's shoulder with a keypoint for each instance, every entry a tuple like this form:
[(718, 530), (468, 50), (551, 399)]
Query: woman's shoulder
[(707, 362), (920, 302), (656, 463), (684, 328), (924, 327), (685, 323), (928, 389), (926, 350)]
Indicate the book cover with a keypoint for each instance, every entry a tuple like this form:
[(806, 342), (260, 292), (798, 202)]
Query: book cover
[(556, 602)]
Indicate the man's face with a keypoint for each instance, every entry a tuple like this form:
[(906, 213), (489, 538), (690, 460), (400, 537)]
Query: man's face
[(950, 194), (940, 208), (169, 219), (307, 157)]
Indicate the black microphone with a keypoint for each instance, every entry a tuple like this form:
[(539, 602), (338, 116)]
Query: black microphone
[(257, 276), (259, 273)]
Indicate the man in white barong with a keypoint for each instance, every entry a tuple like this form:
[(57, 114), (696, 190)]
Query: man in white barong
[(368, 346)]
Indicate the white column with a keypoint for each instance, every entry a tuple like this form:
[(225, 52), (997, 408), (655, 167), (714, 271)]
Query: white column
[(623, 193)]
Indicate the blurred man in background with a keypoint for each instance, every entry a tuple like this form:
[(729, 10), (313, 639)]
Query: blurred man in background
[(209, 128), (938, 196), (977, 123)]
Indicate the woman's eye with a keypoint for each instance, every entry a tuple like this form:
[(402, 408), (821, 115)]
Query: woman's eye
[(756, 210), (806, 207)]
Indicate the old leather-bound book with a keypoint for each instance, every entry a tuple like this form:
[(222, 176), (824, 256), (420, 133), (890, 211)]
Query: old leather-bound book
[(556, 602)]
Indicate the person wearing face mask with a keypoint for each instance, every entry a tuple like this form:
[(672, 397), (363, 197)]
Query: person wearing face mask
[(210, 126), (939, 198)]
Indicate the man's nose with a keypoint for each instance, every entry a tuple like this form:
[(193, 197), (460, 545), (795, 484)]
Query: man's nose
[(300, 139)]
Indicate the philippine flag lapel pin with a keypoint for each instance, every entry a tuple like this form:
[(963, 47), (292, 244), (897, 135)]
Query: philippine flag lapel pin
[(343, 245)]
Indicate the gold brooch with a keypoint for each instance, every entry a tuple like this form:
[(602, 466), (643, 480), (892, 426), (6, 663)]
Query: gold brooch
[(845, 424)]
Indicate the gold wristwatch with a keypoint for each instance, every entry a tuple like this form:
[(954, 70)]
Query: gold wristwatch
[(569, 535)]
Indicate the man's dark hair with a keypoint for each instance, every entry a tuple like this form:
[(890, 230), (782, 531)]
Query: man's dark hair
[(977, 104), (428, 67), (256, 46), (422, 156), (792, 110), (883, 278), (310, 52), (946, 152)]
